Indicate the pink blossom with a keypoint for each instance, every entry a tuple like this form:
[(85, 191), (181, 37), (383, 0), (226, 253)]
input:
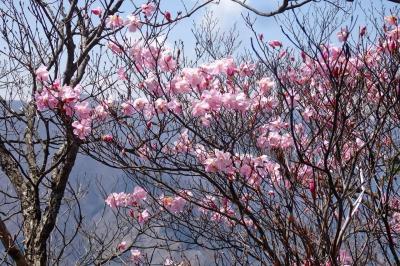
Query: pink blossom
[(82, 110), (69, 94), (173, 204), (342, 35), (167, 16), (360, 143), (345, 258), (133, 23), (107, 138), (180, 85), (275, 43), (213, 98), (265, 85), (42, 74), (97, 11), (121, 74), (82, 128), (167, 62), (114, 47), (127, 108), (114, 200), (246, 170), (114, 21), (175, 106), (200, 108), (307, 114), (192, 76), (161, 105), (177, 204), (46, 99), (139, 194), (136, 255), (221, 162), (206, 120), (391, 20), (143, 217), (148, 9), (100, 112), (140, 103), (122, 246)]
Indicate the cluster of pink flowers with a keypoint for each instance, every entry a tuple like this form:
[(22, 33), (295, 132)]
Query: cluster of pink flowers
[(126, 199), (67, 99), (173, 204), (135, 200)]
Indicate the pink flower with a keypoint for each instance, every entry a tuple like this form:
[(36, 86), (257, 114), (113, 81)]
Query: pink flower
[(69, 94), (114, 21), (167, 16), (246, 170), (174, 205), (136, 255), (100, 112), (265, 85), (133, 23), (121, 246), (82, 128), (114, 47), (127, 108), (342, 35), (275, 43), (360, 143), (177, 205), (139, 194), (42, 74), (391, 20), (143, 217), (192, 76), (107, 138), (46, 99), (97, 11), (161, 105), (175, 106), (121, 74), (82, 110), (167, 62), (307, 114), (221, 162), (112, 200), (148, 9), (200, 108), (140, 103)]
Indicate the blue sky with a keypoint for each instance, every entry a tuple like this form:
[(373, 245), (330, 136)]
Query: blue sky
[(230, 14)]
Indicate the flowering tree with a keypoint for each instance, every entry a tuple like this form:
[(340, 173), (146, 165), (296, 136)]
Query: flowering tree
[(51, 75), (285, 157), (281, 156)]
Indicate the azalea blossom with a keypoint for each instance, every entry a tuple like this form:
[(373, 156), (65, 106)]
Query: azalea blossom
[(136, 255), (343, 34), (122, 246), (42, 74), (391, 20), (82, 128), (114, 21), (275, 44), (148, 9), (133, 23), (97, 11)]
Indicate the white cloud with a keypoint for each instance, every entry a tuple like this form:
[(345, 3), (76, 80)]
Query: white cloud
[(227, 12)]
